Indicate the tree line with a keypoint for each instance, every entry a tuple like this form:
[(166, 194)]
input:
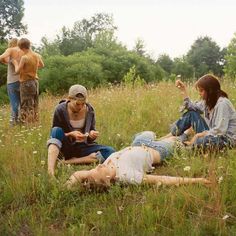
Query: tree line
[(90, 54)]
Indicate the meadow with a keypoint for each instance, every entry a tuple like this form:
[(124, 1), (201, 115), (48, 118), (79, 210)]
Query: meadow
[(33, 204)]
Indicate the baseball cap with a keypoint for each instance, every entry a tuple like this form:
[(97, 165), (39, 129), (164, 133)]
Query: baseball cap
[(76, 90)]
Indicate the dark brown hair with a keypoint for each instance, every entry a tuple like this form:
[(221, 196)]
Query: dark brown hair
[(24, 43), (211, 85)]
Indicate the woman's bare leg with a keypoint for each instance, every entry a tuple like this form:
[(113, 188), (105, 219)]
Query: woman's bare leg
[(91, 158), (53, 152)]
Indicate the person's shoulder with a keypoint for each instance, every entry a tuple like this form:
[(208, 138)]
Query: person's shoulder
[(90, 107), (61, 105), (36, 54)]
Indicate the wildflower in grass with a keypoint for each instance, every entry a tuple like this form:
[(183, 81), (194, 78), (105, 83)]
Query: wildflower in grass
[(118, 135), (220, 179), (35, 152), (42, 162), (187, 168), (225, 217), (68, 165), (99, 212)]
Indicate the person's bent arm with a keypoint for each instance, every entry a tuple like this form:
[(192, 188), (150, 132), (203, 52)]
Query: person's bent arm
[(77, 177), (169, 180), (182, 87), (19, 66), (5, 55), (41, 63)]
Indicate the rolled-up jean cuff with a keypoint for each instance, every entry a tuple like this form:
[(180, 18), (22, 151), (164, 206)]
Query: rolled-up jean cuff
[(55, 141)]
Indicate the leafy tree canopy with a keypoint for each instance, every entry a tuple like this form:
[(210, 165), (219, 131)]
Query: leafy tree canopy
[(230, 57), (11, 15), (165, 62), (205, 56)]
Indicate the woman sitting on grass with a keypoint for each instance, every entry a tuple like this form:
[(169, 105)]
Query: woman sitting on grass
[(131, 164), (217, 128)]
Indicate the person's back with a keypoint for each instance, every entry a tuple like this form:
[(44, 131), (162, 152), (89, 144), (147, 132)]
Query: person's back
[(29, 70)]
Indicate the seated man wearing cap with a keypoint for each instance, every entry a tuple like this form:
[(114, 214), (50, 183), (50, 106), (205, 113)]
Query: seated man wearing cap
[(73, 132)]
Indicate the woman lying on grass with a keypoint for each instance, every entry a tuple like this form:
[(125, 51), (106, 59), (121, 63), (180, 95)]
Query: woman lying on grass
[(131, 164)]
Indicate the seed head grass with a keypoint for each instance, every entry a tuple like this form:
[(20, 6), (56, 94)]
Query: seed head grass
[(31, 203)]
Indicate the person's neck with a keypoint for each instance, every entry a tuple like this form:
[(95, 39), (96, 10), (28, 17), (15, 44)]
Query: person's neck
[(112, 170)]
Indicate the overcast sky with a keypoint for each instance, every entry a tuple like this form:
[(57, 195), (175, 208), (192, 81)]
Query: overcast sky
[(166, 26)]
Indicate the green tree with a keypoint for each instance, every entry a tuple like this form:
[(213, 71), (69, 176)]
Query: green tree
[(205, 56), (230, 57), (11, 15), (165, 62), (84, 33), (139, 47), (183, 68)]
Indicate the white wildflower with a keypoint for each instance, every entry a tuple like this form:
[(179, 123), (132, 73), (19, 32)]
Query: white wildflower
[(35, 152), (42, 162), (187, 168), (225, 217), (99, 212), (220, 179)]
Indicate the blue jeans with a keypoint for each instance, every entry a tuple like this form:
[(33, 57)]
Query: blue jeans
[(189, 119), (13, 90), (74, 149), (193, 119), (147, 138)]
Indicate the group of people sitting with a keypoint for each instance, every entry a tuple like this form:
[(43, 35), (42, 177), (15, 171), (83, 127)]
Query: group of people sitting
[(22, 80), (209, 124)]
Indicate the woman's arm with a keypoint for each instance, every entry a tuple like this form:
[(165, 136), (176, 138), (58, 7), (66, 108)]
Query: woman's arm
[(169, 180), (5, 55), (18, 67), (182, 87), (41, 63), (77, 177), (221, 117)]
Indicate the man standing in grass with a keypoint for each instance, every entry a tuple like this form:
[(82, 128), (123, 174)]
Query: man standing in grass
[(29, 90)]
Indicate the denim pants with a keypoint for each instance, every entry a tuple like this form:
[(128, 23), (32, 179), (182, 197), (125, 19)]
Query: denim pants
[(193, 119), (13, 90), (147, 138), (75, 149)]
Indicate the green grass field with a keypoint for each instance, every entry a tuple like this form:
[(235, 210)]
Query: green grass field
[(32, 204)]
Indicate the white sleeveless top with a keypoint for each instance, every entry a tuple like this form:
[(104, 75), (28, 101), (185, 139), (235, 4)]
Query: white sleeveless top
[(131, 164), (77, 124), (11, 76)]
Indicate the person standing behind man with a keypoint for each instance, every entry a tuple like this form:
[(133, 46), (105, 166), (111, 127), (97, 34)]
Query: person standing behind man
[(27, 68), (13, 52)]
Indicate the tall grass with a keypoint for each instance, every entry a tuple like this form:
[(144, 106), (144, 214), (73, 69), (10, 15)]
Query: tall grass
[(32, 204)]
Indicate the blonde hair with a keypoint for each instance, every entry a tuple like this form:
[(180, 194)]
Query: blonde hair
[(12, 42)]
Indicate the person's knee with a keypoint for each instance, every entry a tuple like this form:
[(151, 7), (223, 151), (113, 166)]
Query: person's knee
[(107, 151), (57, 133), (144, 135)]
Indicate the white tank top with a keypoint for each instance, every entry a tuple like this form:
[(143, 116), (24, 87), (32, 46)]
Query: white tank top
[(77, 124), (131, 164)]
